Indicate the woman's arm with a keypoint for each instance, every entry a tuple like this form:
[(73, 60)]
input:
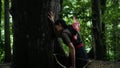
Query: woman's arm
[(72, 53), (71, 48)]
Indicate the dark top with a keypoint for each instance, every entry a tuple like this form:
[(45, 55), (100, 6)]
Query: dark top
[(68, 36)]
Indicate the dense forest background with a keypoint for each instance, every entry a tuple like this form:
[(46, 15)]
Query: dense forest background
[(99, 26), (109, 25)]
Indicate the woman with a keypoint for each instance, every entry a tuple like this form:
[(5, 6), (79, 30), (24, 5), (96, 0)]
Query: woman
[(71, 37)]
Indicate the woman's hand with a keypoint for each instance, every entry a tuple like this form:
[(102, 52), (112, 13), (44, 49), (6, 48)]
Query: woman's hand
[(51, 16)]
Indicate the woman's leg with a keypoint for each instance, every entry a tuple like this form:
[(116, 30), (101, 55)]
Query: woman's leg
[(81, 57)]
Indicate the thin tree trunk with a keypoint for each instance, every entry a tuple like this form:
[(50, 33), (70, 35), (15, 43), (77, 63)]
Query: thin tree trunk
[(103, 8), (7, 32), (98, 43)]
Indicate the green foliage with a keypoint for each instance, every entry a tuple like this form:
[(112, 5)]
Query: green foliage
[(2, 37), (65, 47), (2, 53), (111, 19), (81, 9)]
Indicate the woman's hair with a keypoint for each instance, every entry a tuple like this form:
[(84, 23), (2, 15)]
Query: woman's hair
[(62, 22)]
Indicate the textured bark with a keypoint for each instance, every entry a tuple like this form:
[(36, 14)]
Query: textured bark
[(33, 37), (97, 30), (103, 8)]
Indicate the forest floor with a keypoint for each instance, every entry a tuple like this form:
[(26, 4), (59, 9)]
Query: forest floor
[(93, 64), (7, 65), (103, 64)]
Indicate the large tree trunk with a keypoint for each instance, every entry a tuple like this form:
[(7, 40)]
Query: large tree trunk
[(7, 32), (33, 36), (97, 30)]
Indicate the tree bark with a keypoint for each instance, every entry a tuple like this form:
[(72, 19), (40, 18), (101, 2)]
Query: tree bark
[(103, 8), (33, 35), (7, 32), (97, 30)]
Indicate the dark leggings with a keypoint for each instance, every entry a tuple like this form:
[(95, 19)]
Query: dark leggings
[(81, 57)]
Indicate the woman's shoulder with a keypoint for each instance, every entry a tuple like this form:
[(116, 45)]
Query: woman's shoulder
[(66, 31)]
